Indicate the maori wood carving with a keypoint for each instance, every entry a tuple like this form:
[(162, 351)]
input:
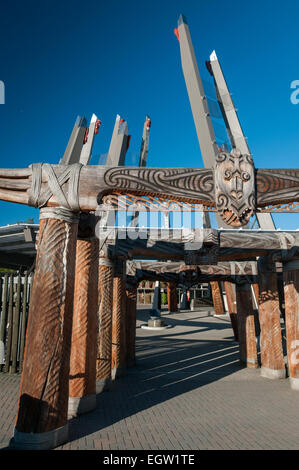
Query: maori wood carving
[(234, 187)]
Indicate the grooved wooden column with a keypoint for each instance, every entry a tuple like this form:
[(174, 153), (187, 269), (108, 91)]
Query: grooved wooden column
[(246, 326), (118, 359), (131, 303), (106, 270), (172, 297), (272, 359), (82, 385), (217, 298), (43, 402), (230, 291), (291, 294)]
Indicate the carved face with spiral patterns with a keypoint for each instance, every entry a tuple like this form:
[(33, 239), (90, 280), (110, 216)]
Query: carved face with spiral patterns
[(234, 187)]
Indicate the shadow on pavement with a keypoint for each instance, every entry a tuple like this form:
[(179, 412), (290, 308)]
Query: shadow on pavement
[(168, 365)]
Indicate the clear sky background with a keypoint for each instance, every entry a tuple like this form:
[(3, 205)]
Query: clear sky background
[(60, 59)]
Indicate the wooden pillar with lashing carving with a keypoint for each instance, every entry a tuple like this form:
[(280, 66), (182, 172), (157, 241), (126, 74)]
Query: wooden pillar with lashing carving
[(172, 297), (118, 356), (272, 359), (43, 401), (104, 343), (291, 295), (82, 391), (246, 326), (217, 298), (131, 304)]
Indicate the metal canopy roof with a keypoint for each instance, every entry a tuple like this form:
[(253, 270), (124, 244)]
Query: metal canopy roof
[(17, 245)]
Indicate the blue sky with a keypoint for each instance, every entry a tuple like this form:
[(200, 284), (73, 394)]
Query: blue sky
[(63, 59)]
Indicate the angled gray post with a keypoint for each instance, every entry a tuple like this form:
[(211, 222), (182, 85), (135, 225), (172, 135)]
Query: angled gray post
[(197, 98), (119, 143), (74, 147), (233, 125), (85, 155), (198, 102), (142, 159), (144, 143)]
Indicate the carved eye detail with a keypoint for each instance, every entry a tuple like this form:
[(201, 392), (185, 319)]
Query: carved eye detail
[(227, 174), (245, 176)]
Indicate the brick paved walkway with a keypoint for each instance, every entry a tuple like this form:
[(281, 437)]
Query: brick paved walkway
[(187, 392)]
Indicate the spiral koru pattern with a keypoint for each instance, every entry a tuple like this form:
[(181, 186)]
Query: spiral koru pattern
[(185, 184)]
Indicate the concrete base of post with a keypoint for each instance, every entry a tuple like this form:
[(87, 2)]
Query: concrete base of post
[(249, 363), (103, 385), (80, 405), (294, 382), (40, 441), (272, 373)]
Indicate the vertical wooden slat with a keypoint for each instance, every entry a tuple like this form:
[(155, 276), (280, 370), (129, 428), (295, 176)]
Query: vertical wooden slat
[(23, 320), (9, 323), (15, 326), (4, 315)]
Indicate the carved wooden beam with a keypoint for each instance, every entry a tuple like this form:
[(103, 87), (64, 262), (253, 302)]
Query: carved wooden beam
[(189, 275), (234, 187), (233, 244)]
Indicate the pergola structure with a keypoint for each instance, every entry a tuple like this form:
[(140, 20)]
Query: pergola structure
[(82, 319)]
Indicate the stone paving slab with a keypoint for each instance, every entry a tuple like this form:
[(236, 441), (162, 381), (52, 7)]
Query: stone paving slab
[(187, 392)]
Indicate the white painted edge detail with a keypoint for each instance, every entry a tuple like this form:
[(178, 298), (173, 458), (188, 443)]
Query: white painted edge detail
[(213, 56), (93, 119)]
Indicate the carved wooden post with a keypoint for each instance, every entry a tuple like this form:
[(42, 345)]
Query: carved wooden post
[(43, 403), (246, 326), (272, 360), (172, 297), (230, 291), (106, 270), (118, 360), (291, 293), (217, 298), (131, 303), (82, 392)]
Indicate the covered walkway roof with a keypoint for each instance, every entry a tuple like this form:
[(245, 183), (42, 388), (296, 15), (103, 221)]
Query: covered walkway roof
[(17, 245)]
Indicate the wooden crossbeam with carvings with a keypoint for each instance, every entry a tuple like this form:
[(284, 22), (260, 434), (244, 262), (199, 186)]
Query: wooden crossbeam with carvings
[(234, 188), (240, 272), (230, 244)]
